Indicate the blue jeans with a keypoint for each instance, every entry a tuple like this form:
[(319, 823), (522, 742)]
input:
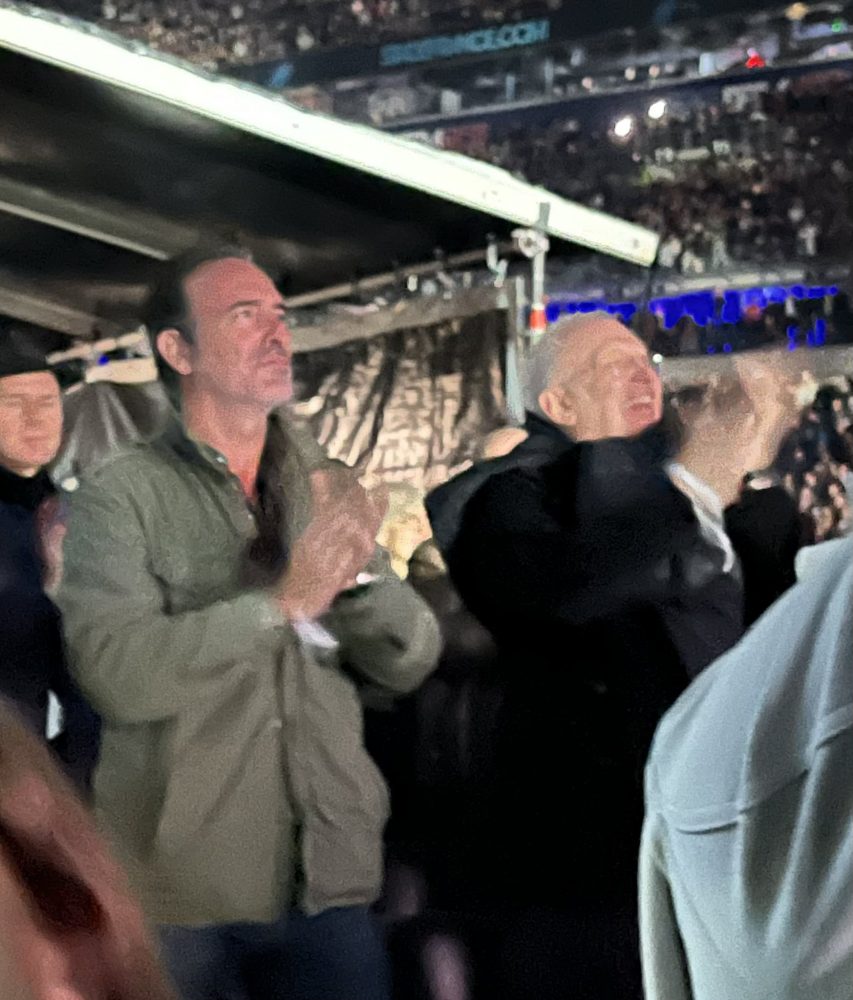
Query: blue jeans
[(337, 955)]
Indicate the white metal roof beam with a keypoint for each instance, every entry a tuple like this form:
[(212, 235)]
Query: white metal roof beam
[(454, 178)]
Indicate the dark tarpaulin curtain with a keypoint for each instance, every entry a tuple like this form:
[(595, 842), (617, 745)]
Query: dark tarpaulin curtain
[(408, 406)]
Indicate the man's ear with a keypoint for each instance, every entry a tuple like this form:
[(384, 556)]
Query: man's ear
[(558, 407), (175, 351)]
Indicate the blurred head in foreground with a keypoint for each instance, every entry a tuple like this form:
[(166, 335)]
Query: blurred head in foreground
[(71, 930)]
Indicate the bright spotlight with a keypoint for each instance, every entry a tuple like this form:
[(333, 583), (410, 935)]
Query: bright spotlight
[(657, 359), (623, 127), (657, 110)]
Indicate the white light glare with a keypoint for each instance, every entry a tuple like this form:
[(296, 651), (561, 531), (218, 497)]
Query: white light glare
[(657, 110), (657, 359), (623, 127)]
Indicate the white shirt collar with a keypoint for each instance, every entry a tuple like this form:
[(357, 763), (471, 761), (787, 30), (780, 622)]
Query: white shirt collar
[(708, 509)]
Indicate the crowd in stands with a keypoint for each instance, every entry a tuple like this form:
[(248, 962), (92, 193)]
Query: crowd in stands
[(816, 463), (793, 324), (233, 32), (765, 184), (759, 177)]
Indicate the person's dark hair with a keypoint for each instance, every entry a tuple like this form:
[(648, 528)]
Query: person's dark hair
[(825, 397), (167, 309)]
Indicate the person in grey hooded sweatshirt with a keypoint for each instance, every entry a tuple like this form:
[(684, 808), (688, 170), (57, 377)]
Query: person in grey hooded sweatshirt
[(746, 873)]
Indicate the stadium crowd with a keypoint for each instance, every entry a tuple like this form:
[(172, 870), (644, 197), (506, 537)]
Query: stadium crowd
[(759, 176), (219, 33), (766, 183), (816, 463)]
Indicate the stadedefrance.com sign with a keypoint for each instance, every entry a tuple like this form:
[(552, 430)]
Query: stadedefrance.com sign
[(484, 40)]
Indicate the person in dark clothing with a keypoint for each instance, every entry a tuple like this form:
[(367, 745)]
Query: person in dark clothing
[(32, 660), (446, 504), (603, 571), (451, 730), (435, 751), (767, 533)]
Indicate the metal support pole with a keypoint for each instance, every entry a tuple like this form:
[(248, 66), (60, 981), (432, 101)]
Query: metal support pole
[(515, 359), (537, 274), (533, 244)]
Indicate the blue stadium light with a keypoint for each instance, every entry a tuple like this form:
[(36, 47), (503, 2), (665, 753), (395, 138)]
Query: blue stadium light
[(731, 308), (699, 307), (625, 310), (673, 310), (755, 297), (705, 308), (727, 348)]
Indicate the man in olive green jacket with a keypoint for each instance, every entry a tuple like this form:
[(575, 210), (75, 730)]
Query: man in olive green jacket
[(221, 617)]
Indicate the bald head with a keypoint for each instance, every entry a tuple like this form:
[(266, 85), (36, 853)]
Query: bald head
[(594, 379)]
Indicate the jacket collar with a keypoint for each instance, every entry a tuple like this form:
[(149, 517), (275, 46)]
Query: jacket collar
[(292, 464), (446, 504), (539, 427), (25, 492), (176, 439)]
